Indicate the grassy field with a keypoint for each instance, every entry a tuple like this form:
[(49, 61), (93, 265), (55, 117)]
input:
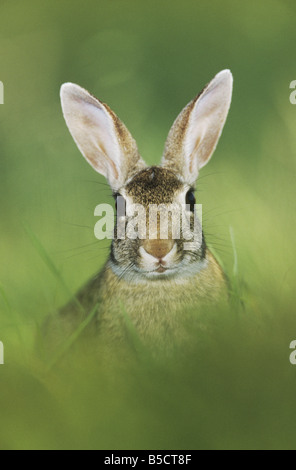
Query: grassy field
[(235, 387)]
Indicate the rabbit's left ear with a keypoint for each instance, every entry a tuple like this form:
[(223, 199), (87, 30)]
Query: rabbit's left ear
[(101, 137), (196, 131)]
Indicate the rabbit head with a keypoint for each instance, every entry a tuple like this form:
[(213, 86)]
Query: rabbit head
[(159, 191)]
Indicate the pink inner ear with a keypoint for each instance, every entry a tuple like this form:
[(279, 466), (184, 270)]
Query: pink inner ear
[(114, 168), (108, 160), (193, 155), (102, 163)]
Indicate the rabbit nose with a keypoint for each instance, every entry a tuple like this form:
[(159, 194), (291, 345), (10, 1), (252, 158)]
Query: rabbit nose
[(158, 248)]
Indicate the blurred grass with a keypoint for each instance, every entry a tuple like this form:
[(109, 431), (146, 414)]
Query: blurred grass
[(235, 388)]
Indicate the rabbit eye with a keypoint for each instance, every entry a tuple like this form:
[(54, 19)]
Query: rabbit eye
[(190, 200), (120, 205)]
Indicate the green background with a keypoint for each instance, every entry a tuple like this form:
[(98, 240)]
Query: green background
[(147, 60)]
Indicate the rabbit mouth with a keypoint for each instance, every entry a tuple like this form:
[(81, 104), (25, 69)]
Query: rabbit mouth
[(160, 271)]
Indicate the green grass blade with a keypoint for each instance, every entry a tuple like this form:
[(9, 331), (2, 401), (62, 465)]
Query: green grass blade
[(73, 338), (235, 257), (50, 265), (134, 338)]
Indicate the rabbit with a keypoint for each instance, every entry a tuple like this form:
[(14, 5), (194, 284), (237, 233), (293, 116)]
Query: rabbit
[(148, 282)]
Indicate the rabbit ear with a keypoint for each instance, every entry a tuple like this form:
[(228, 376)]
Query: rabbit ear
[(196, 131), (101, 137)]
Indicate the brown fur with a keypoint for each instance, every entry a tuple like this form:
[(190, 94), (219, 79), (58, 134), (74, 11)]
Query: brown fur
[(155, 309), (147, 290), (173, 148), (154, 185)]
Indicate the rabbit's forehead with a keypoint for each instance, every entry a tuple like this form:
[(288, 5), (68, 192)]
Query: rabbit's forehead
[(154, 185)]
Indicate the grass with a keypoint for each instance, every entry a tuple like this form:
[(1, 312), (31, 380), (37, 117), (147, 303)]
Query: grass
[(232, 386)]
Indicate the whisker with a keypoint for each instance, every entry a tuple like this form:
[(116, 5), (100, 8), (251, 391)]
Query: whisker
[(96, 256), (100, 183), (79, 247), (214, 173), (85, 252), (78, 225)]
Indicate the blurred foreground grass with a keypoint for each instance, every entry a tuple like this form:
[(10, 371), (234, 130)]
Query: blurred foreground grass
[(235, 387)]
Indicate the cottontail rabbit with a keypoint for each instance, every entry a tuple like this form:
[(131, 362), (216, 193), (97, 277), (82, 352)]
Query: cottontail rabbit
[(150, 280)]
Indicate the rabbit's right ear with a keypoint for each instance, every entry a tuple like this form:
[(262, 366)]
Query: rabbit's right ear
[(196, 131), (101, 137)]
